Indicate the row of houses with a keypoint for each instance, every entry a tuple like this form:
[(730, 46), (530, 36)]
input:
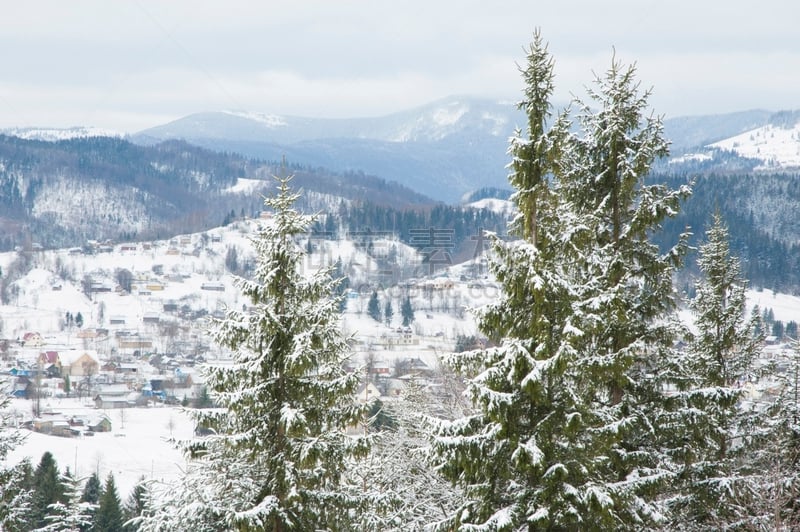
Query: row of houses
[(56, 424)]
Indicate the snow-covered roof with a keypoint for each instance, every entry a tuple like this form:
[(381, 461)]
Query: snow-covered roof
[(68, 358)]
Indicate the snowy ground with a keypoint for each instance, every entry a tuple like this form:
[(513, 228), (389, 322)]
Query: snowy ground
[(785, 307), (140, 444)]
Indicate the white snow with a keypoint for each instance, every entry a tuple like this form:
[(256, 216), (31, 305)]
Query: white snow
[(447, 116), (269, 120), (698, 157), (777, 147), (246, 186), (503, 207), (500, 123), (142, 443), (785, 307), (54, 135)]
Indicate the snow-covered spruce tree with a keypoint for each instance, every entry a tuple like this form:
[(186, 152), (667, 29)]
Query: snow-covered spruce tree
[(285, 402), (774, 455), (48, 489), (714, 484), (374, 307), (508, 455), (73, 516), (16, 491), (625, 300), (563, 437), (15, 497)]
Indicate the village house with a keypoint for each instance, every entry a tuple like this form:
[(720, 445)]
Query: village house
[(99, 424), (32, 339), (79, 363), (367, 393), (134, 342), (48, 360)]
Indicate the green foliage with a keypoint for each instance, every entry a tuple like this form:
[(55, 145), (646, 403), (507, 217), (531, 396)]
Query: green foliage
[(136, 504), (47, 489), (388, 313), (777, 329), (232, 260), (374, 307), (407, 312), (109, 517), (791, 330), (342, 285), (92, 490), (710, 426), (277, 458), (124, 279), (379, 419), (16, 491), (565, 404), (74, 515), (466, 343)]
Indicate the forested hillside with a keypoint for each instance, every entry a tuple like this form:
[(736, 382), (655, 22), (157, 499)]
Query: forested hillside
[(761, 213), (60, 194)]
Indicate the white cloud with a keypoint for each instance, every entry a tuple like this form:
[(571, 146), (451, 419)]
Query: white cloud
[(123, 64)]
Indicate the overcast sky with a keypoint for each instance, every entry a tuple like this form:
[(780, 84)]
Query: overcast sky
[(128, 65)]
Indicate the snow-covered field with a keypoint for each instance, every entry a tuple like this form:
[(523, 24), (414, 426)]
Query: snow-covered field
[(785, 307), (142, 442)]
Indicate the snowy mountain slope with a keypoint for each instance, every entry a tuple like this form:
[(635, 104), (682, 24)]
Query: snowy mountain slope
[(432, 122), (442, 149), (57, 134), (689, 132), (504, 207), (777, 147), (768, 144), (63, 193)]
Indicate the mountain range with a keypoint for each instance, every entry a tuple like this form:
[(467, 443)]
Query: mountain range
[(443, 150), (62, 187)]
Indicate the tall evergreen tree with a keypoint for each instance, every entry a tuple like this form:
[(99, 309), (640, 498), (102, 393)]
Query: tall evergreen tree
[(625, 300), (15, 482), (561, 438), (48, 489), (407, 312), (135, 505), (343, 284), (109, 516), (374, 307), (714, 482), (773, 451), (388, 312), (73, 516), (16, 497), (278, 456)]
